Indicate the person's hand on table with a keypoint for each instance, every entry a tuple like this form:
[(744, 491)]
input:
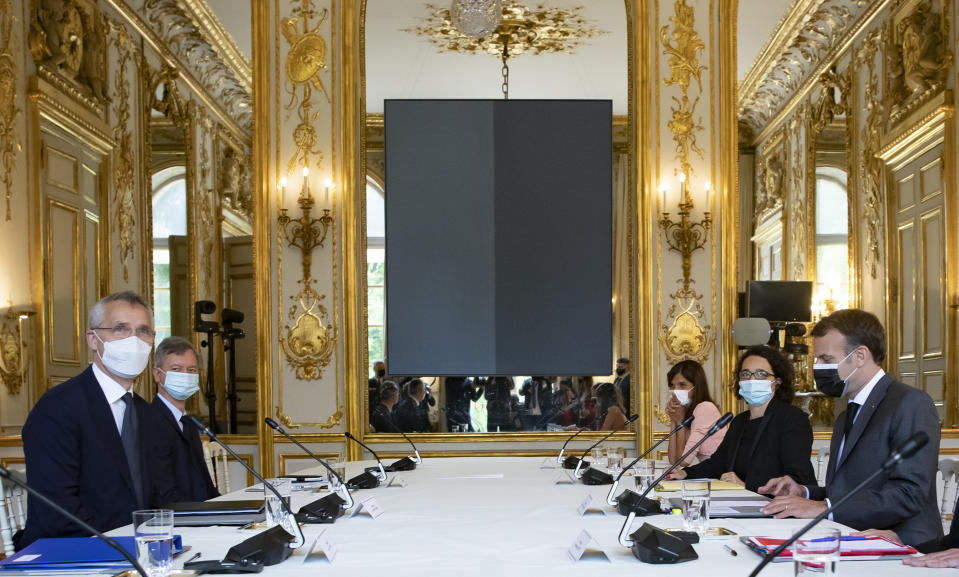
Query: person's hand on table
[(781, 486), (731, 477), (884, 533), (677, 475), (792, 506), (947, 558), (675, 410)]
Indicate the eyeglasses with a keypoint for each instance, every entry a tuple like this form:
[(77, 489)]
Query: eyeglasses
[(759, 374), (123, 330)]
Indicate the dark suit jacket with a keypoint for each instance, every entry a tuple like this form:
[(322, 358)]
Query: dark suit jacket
[(180, 453), (782, 446), (75, 457), (622, 383), (949, 541), (382, 419), (904, 499), (410, 417)]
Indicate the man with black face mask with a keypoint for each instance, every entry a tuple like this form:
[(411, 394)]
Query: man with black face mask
[(376, 381), (882, 413), (622, 380)]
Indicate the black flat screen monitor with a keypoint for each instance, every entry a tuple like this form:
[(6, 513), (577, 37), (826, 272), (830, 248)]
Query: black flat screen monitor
[(780, 301), (498, 237)]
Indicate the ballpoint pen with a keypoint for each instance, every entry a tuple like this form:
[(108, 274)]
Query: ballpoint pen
[(731, 550), (192, 558)]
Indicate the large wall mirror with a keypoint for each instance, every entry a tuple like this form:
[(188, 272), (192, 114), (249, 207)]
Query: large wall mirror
[(200, 180), (580, 52)]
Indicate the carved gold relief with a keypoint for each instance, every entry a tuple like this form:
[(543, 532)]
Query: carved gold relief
[(67, 39), (797, 203), (684, 335), (305, 62), (206, 203), (11, 366), (541, 30), (309, 344), (124, 203), (917, 56), (683, 46), (9, 111), (870, 166)]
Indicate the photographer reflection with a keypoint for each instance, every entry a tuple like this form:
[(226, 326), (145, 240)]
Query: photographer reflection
[(460, 391), (609, 409), (411, 415), (501, 405), (566, 401), (537, 410), (375, 382)]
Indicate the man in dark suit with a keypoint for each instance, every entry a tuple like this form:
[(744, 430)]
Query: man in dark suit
[(410, 415), (622, 381), (375, 382), (382, 419), (941, 552), (176, 443), (87, 441), (882, 413), (460, 391), (538, 395)]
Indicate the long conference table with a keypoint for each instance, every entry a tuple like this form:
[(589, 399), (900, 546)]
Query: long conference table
[(505, 516)]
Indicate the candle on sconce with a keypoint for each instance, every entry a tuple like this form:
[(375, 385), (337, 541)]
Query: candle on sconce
[(709, 196), (306, 182), (327, 185), (662, 190), (283, 192), (682, 187)]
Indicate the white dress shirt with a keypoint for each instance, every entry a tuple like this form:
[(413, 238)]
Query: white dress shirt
[(177, 413), (114, 392)]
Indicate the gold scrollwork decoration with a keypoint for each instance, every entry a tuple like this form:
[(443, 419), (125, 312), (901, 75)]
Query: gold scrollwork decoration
[(683, 335), (797, 201), (305, 61), (208, 203), (870, 165), (683, 46), (66, 38), (9, 111), (289, 423), (11, 363), (123, 163), (308, 344)]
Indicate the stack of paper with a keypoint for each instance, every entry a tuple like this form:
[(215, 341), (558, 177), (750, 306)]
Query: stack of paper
[(74, 555)]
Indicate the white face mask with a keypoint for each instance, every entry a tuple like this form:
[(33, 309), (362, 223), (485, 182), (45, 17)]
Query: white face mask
[(125, 358), (181, 386), (682, 396)]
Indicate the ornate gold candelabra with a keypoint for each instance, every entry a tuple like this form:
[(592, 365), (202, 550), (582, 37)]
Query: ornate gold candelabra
[(306, 232), (685, 236)]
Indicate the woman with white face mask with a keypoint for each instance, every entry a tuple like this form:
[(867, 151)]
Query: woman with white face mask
[(689, 395), (771, 438)]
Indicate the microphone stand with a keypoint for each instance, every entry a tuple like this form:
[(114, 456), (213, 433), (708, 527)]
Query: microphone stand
[(8, 475), (338, 485), (406, 463), (609, 497), (297, 540), (903, 451), (559, 458), (381, 476), (230, 335), (630, 503), (596, 444)]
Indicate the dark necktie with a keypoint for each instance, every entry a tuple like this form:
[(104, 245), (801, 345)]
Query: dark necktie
[(130, 436), (852, 409)]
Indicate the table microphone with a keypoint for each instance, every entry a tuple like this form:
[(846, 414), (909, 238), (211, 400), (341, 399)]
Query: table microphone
[(908, 448), (571, 461), (328, 508), (597, 477), (366, 480), (406, 463), (276, 543), (612, 500), (7, 474), (629, 503)]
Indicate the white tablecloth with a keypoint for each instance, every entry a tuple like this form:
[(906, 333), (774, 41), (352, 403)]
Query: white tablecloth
[(502, 516)]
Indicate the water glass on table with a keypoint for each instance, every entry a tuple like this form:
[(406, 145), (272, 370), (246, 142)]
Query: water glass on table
[(614, 459), (599, 458), (275, 512), (696, 505), (643, 473), (153, 533), (817, 550), (339, 467)]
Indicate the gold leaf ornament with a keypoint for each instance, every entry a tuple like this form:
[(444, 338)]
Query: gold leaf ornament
[(310, 342)]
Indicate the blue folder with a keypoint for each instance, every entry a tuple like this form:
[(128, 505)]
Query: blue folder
[(74, 552)]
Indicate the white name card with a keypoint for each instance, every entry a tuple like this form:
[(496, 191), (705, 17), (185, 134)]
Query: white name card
[(397, 481), (564, 478), (548, 463), (580, 550), (371, 507), (584, 508), (322, 550)]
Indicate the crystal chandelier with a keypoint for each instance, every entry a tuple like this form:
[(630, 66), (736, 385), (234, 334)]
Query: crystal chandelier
[(476, 18)]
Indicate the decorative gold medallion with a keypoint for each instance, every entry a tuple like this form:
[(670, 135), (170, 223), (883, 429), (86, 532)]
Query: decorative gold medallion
[(310, 342), (305, 61)]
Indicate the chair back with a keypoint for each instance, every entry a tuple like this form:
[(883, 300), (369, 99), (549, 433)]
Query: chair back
[(949, 469), (822, 466), (215, 457), (12, 514)]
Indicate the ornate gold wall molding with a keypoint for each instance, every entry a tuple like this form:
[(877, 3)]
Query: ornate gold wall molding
[(797, 197), (207, 204), (124, 184), (870, 167), (11, 343), (683, 51), (9, 111)]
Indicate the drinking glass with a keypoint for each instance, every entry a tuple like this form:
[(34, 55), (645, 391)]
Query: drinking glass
[(275, 512), (614, 458), (696, 506), (817, 550), (643, 474), (153, 533), (599, 458), (339, 466)]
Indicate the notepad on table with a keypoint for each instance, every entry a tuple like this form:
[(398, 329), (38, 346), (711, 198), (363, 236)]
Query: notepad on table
[(714, 485), (74, 554), (852, 548)]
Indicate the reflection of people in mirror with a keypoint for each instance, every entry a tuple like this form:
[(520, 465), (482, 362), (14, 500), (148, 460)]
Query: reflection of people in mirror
[(537, 409), (460, 392), (376, 381), (411, 415), (382, 418), (609, 408), (622, 380)]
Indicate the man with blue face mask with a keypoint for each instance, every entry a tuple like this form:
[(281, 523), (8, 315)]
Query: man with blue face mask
[(87, 441), (882, 413), (177, 446)]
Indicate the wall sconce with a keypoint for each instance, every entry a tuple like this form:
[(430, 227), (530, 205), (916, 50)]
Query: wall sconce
[(306, 232), (685, 236), (12, 367)]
